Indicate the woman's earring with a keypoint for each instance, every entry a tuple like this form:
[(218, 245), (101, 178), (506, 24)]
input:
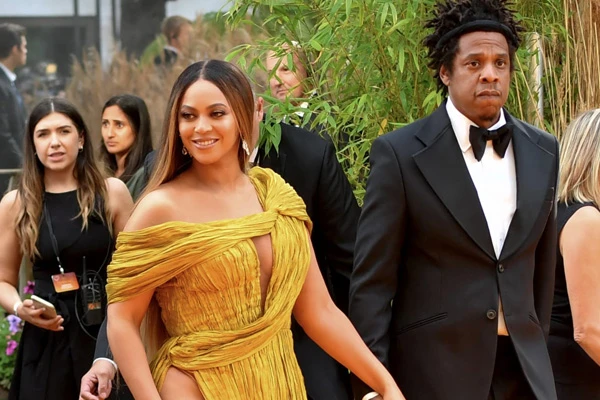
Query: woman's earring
[(245, 147), (184, 151), (81, 149)]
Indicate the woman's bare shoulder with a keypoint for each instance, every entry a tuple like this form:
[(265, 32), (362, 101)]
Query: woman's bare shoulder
[(154, 208), (8, 207)]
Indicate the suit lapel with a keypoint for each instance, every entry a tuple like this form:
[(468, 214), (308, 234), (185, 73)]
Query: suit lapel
[(273, 160), (444, 168), (533, 167)]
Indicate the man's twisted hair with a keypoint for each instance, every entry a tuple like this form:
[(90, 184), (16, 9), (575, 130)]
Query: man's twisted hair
[(450, 15)]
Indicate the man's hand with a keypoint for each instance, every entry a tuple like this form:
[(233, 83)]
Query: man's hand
[(97, 383)]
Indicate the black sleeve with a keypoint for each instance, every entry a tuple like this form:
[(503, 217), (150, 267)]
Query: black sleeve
[(379, 240), (545, 262), (337, 214), (149, 163), (10, 139), (102, 347)]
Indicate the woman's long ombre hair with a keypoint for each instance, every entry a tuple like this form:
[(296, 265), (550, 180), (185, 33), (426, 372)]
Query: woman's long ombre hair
[(579, 178), (31, 187), (232, 82)]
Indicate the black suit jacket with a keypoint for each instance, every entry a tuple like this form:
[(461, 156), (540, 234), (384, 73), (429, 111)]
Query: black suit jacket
[(167, 58), (424, 290), (12, 127), (309, 164)]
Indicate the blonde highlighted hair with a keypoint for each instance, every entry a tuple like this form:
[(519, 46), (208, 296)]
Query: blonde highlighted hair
[(579, 178)]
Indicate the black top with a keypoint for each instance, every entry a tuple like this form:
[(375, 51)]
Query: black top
[(561, 309), (50, 364), (95, 242), (570, 362)]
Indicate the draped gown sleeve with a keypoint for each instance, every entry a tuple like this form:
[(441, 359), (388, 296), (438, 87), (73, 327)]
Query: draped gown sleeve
[(206, 283)]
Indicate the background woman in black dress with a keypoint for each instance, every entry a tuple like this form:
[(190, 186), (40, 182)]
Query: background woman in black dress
[(64, 217), (574, 341)]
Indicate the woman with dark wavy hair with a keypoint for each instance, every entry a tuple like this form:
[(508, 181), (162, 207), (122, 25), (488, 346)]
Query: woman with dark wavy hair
[(63, 217), (126, 139)]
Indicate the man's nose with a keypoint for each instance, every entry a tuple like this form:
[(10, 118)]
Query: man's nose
[(489, 73)]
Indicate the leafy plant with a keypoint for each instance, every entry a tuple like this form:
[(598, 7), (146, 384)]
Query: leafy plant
[(11, 328), (368, 64)]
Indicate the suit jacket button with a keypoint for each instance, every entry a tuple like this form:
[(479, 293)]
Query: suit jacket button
[(491, 314), (501, 268)]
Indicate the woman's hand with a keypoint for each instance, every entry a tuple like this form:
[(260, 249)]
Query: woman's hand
[(27, 312)]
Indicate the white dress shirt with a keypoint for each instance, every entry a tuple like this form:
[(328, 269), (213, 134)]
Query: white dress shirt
[(11, 75), (495, 181)]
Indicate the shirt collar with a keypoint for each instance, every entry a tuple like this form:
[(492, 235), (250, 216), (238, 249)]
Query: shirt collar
[(461, 124), (11, 75), (253, 155), (175, 49), (304, 106)]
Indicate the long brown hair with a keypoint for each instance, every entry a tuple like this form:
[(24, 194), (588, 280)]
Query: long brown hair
[(91, 184), (237, 90), (232, 82)]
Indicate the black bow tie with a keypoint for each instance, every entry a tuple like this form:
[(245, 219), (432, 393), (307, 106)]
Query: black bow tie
[(479, 137)]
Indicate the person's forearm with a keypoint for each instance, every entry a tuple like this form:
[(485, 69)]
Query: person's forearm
[(128, 351), (335, 334), (9, 296), (589, 339)]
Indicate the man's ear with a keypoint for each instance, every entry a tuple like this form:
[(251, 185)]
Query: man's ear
[(445, 75), (259, 108)]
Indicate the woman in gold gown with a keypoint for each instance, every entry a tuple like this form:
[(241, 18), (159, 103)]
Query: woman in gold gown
[(217, 259)]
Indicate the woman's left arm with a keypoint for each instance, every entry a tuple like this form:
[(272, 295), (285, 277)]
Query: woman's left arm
[(579, 244), (119, 203), (333, 332)]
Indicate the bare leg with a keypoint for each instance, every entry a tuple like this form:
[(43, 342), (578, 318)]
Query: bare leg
[(179, 386)]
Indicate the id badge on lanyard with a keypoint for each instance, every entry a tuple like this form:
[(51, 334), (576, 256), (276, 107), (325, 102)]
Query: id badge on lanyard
[(63, 282)]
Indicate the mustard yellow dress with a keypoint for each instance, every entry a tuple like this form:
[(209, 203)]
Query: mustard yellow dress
[(206, 278)]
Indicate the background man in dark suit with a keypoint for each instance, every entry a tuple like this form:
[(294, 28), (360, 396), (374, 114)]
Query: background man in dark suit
[(455, 251), (178, 31), (309, 164), (13, 54)]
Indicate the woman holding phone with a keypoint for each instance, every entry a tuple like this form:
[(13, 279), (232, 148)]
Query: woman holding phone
[(63, 217)]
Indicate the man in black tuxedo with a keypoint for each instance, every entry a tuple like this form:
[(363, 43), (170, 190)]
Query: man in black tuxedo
[(455, 252), (309, 164), (13, 54)]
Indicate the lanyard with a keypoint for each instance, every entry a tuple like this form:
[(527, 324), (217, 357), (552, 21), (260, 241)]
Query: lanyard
[(52, 237)]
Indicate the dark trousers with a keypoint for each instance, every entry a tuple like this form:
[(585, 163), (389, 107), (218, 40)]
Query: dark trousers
[(120, 391), (508, 382)]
